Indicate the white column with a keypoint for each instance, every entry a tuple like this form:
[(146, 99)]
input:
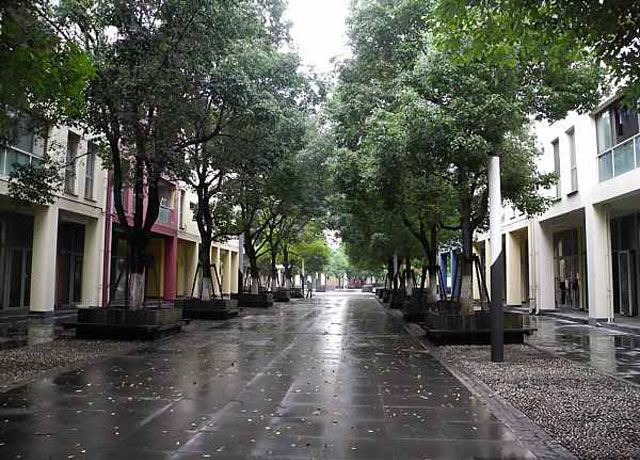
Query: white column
[(226, 285), (599, 263), (216, 260), (234, 272), (194, 255), (487, 262), (514, 270), (532, 265), (545, 290), (92, 262), (43, 261)]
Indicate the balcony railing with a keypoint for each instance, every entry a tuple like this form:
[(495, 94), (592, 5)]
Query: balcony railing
[(619, 159), (10, 157)]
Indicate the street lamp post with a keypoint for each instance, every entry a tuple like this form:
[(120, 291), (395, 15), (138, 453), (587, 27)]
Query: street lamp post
[(497, 260)]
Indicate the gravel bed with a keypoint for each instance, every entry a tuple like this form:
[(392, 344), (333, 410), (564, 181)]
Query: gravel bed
[(23, 364), (593, 415)]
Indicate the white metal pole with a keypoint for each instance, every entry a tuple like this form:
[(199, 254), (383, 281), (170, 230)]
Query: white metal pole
[(497, 260)]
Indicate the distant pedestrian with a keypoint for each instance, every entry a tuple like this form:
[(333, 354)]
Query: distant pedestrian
[(309, 289)]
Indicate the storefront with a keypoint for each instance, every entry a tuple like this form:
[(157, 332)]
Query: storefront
[(69, 264), (570, 269), (625, 264), (16, 239)]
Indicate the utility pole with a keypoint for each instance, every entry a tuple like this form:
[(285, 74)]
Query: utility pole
[(497, 260)]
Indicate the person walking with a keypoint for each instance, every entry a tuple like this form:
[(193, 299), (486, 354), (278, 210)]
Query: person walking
[(309, 289)]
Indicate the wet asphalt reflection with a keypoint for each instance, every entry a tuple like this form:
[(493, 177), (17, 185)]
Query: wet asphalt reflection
[(333, 378)]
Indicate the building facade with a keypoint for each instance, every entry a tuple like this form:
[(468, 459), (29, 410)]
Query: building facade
[(70, 254), (583, 253)]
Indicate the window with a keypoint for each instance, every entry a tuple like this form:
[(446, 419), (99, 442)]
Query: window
[(19, 146), (556, 166), (617, 130), (89, 172), (183, 196), (73, 140), (164, 214), (571, 139)]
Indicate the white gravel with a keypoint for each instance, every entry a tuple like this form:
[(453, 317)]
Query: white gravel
[(593, 415)]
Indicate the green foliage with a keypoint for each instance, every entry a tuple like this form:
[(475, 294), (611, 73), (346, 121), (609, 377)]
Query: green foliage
[(44, 73), (558, 43), (36, 183), (337, 263)]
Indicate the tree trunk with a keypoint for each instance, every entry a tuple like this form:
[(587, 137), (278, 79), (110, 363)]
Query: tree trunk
[(137, 269), (465, 262), (286, 282), (408, 277), (206, 284), (253, 263), (274, 271)]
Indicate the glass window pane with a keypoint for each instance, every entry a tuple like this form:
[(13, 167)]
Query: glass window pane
[(24, 135), (603, 128), (637, 151), (605, 167), (623, 158)]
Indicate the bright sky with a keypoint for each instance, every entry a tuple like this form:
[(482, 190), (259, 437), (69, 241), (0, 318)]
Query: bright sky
[(319, 31)]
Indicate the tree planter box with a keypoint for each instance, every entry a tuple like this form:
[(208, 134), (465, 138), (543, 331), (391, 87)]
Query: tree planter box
[(396, 300), (415, 308), (380, 293), (125, 324), (454, 328), (296, 293), (321, 289), (367, 288), (249, 300), (193, 308), (386, 295), (281, 295)]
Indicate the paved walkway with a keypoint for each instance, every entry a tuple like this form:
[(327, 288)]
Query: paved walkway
[(610, 351), (336, 378)]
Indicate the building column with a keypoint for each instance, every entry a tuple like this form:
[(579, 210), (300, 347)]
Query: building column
[(234, 272), (544, 287), (216, 260), (43, 266), (599, 263), (514, 272), (93, 262), (531, 239), (228, 273), (170, 267), (193, 268)]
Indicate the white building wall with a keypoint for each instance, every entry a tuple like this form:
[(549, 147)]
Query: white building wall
[(591, 207)]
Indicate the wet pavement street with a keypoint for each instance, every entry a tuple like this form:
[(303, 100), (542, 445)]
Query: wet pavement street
[(610, 351), (334, 378)]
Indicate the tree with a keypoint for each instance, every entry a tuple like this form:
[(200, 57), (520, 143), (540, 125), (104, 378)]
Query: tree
[(44, 71), (387, 38), (153, 60), (337, 263), (549, 34), (271, 134), (236, 90)]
